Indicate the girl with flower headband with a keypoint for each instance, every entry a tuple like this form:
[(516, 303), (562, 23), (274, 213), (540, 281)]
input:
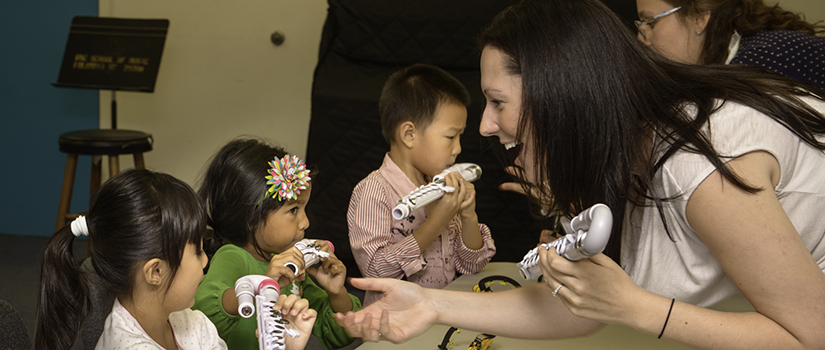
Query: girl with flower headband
[(146, 231), (256, 196)]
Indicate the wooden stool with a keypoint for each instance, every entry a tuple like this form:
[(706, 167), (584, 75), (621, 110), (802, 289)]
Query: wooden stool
[(97, 143)]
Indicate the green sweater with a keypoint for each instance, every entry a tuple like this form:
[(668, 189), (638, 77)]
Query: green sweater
[(232, 262)]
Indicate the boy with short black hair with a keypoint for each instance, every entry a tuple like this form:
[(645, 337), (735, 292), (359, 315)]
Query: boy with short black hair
[(423, 112)]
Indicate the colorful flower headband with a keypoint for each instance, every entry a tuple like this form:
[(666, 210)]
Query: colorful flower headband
[(288, 176)]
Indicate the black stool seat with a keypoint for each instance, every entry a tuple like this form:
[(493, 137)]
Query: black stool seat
[(105, 141), (98, 143)]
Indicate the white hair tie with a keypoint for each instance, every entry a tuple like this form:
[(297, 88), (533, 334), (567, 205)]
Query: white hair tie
[(79, 227)]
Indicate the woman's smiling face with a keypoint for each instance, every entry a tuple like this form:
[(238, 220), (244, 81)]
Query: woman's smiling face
[(502, 110)]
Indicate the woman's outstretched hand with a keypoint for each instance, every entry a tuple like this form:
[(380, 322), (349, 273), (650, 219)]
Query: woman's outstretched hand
[(404, 312)]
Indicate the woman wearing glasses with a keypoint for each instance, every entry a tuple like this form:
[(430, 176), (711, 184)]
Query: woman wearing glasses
[(714, 175), (734, 32)]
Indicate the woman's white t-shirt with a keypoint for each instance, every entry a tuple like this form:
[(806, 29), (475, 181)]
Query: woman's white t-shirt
[(684, 268)]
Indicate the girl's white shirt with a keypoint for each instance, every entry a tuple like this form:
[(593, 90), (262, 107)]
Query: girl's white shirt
[(192, 329)]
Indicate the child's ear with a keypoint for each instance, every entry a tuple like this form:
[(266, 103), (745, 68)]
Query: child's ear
[(406, 133), (154, 271)]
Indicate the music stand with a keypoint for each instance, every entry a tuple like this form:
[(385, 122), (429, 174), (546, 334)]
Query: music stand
[(113, 54)]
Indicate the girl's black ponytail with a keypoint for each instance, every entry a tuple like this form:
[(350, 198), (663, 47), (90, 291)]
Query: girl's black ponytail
[(64, 303)]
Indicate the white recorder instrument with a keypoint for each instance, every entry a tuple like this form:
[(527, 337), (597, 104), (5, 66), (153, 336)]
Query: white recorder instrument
[(587, 235), (312, 253), (428, 193), (258, 294)]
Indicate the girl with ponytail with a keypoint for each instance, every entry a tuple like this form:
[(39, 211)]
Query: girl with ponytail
[(145, 231)]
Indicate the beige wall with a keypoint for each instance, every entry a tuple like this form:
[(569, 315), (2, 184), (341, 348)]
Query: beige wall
[(221, 77), (814, 10)]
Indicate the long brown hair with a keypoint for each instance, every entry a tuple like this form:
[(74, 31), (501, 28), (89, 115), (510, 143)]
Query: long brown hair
[(748, 17), (592, 95)]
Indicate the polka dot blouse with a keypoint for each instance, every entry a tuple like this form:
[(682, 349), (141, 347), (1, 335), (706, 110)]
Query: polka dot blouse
[(794, 54)]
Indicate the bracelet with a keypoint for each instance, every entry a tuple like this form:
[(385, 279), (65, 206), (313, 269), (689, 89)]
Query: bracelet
[(673, 300)]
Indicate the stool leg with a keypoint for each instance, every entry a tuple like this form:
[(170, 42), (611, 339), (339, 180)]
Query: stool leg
[(114, 165), (97, 163), (66, 192), (139, 161)]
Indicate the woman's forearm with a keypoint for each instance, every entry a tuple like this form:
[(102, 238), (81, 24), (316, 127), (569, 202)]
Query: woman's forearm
[(524, 313), (702, 328)]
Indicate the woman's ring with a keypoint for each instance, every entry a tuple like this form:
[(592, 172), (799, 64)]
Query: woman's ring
[(556, 292)]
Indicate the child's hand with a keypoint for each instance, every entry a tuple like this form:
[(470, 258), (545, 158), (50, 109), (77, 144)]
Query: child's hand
[(468, 206), (291, 305), (296, 310), (331, 275), (462, 200), (299, 316), (278, 271), (325, 246)]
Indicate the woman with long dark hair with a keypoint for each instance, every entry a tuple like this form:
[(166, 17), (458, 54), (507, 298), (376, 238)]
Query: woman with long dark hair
[(713, 175)]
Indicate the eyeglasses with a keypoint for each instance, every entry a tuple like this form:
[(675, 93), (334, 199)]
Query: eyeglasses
[(649, 21)]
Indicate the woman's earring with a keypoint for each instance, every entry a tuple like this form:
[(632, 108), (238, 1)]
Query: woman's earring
[(698, 31)]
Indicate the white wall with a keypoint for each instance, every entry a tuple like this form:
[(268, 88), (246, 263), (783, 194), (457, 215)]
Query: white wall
[(221, 77)]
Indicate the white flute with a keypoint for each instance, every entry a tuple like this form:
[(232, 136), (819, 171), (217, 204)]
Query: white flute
[(258, 294), (428, 193), (247, 287), (587, 235), (312, 253)]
